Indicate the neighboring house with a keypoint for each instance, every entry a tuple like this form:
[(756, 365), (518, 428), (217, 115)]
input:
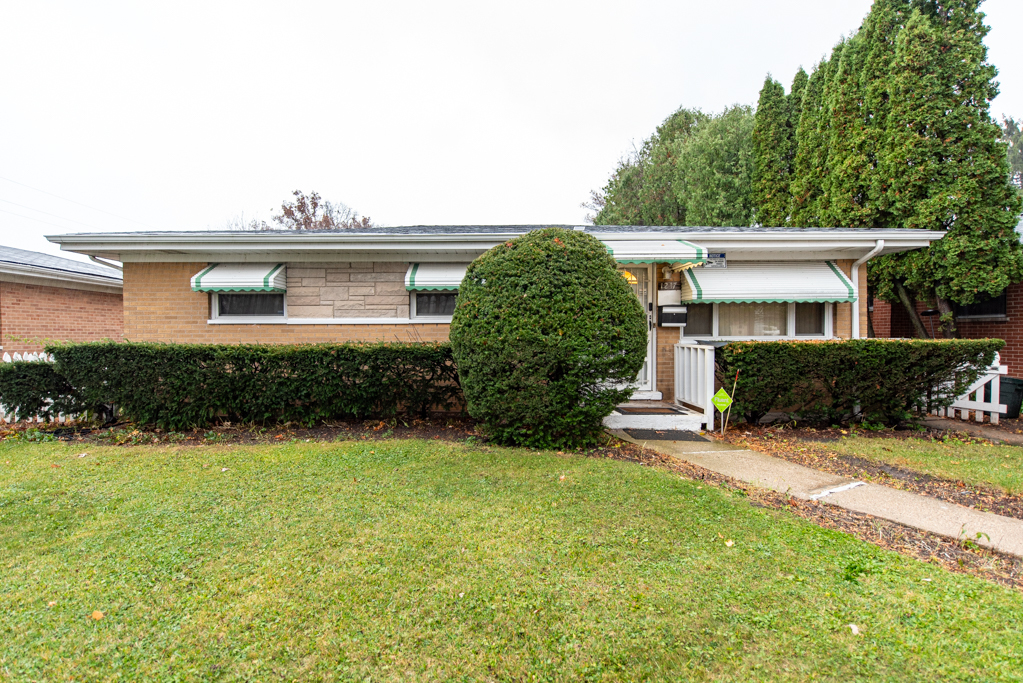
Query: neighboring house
[(45, 298), (400, 284), (997, 318)]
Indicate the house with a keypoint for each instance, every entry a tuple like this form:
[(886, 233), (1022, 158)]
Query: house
[(44, 298), (400, 283)]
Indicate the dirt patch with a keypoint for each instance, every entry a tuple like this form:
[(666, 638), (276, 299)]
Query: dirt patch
[(809, 448), (962, 557)]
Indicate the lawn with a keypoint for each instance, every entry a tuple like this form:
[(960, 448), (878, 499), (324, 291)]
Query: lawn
[(419, 560), (1000, 467)]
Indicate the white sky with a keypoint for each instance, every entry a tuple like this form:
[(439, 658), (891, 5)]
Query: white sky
[(184, 115)]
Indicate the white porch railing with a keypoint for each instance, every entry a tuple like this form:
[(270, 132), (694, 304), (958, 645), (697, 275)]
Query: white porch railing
[(694, 379), (973, 404), (9, 417)]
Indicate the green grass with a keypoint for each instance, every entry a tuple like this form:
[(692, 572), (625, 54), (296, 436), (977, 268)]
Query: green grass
[(1000, 467), (429, 561)]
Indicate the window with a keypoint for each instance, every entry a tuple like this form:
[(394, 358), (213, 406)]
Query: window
[(249, 305), (753, 320), (809, 319), (433, 304), (990, 308), (699, 320), (759, 320)]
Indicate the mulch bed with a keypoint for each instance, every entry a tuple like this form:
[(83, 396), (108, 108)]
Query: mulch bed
[(808, 447), (954, 556), (961, 557)]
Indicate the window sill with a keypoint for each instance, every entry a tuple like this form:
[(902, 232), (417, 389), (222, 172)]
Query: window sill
[(984, 318), (323, 321)]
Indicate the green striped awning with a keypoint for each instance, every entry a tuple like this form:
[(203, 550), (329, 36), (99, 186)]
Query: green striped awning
[(767, 281), (241, 277), (434, 276), (655, 251)]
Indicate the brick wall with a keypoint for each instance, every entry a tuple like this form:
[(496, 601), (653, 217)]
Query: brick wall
[(33, 314), (159, 305), (895, 323)]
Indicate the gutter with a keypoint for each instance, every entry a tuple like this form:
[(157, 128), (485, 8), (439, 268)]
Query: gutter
[(878, 246)]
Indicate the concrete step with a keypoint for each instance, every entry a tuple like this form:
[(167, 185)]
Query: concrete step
[(657, 415)]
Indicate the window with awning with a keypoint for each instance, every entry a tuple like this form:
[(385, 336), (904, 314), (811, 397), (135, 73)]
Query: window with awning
[(768, 282), (654, 251), (241, 277), (423, 277)]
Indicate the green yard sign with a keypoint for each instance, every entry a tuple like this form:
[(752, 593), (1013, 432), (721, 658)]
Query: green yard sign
[(721, 400)]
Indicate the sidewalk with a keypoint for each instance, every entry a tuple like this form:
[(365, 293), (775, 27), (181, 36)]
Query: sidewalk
[(1004, 534)]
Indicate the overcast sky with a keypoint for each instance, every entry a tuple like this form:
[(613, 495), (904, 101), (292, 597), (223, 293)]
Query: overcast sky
[(186, 115)]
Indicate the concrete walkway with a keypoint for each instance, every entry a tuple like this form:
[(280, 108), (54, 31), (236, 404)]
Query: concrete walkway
[(975, 429), (922, 512)]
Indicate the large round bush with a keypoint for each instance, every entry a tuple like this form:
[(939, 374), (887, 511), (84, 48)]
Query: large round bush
[(546, 334)]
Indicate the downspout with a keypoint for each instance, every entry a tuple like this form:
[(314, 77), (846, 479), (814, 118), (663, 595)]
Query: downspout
[(878, 246), (105, 263)]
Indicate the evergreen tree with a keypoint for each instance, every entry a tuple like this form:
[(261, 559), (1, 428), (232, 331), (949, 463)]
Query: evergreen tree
[(811, 156), (944, 164), (715, 170), (847, 183), (795, 103), (772, 140)]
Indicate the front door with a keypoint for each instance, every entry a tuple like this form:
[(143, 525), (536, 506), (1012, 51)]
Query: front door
[(638, 276)]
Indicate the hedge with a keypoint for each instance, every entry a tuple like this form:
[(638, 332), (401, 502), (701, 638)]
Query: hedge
[(176, 386), (876, 380), (548, 337), (31, 388)]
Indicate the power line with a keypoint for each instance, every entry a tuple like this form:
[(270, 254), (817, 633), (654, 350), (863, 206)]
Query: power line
[(70, 220), (39, 220), (130, 220)]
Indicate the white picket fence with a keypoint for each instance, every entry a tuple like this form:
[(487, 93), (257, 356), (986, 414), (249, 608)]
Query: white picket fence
[(9, 417), (973, 405), (694, 379), (694, 387)]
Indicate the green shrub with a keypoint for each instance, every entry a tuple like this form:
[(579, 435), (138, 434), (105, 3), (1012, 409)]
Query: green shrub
[(30, 388), (546, 334), (876, 380), (177, 386)]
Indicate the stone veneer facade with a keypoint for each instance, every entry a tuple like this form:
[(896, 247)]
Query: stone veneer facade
[(347, 290)]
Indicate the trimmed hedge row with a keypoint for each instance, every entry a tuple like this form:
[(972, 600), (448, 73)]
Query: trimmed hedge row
[(876, 380), (30, 388), (177, 386)]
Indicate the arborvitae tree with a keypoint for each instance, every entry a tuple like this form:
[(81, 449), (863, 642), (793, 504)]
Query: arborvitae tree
[(847, 183), (809, 166), (944, 163), (795, 103), (715, 170), (772, 140), (621, 195)]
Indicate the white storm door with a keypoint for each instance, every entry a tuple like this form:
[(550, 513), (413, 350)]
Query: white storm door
[(638, 277)]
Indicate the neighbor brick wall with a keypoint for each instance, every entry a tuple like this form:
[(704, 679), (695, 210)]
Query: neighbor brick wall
[(30, 315), (896, 324), (159, 305)]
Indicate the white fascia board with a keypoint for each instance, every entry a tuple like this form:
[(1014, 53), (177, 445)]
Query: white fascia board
[(14, 272)]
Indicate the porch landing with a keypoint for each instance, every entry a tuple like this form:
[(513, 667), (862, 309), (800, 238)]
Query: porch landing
[(659, 415)]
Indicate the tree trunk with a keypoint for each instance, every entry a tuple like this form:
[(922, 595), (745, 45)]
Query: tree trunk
[(907, 302), (948, 325)]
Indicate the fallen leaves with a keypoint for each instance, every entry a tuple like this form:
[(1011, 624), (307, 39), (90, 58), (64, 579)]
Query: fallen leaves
[(855, 629), (97, 615), (729, 543)]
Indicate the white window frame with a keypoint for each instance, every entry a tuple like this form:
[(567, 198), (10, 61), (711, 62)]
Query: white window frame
[(254, 319), (829, 317), (413, 315)]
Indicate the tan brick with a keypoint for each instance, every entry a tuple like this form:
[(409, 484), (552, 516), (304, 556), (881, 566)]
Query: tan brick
[(391, 288), (303, 301), (313, 281), (304, 272), (349, 305), (386, 300), (338, 276), (361, 290), (310, 311)]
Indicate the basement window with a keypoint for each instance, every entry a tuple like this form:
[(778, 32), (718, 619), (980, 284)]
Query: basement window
[(988, 308)]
